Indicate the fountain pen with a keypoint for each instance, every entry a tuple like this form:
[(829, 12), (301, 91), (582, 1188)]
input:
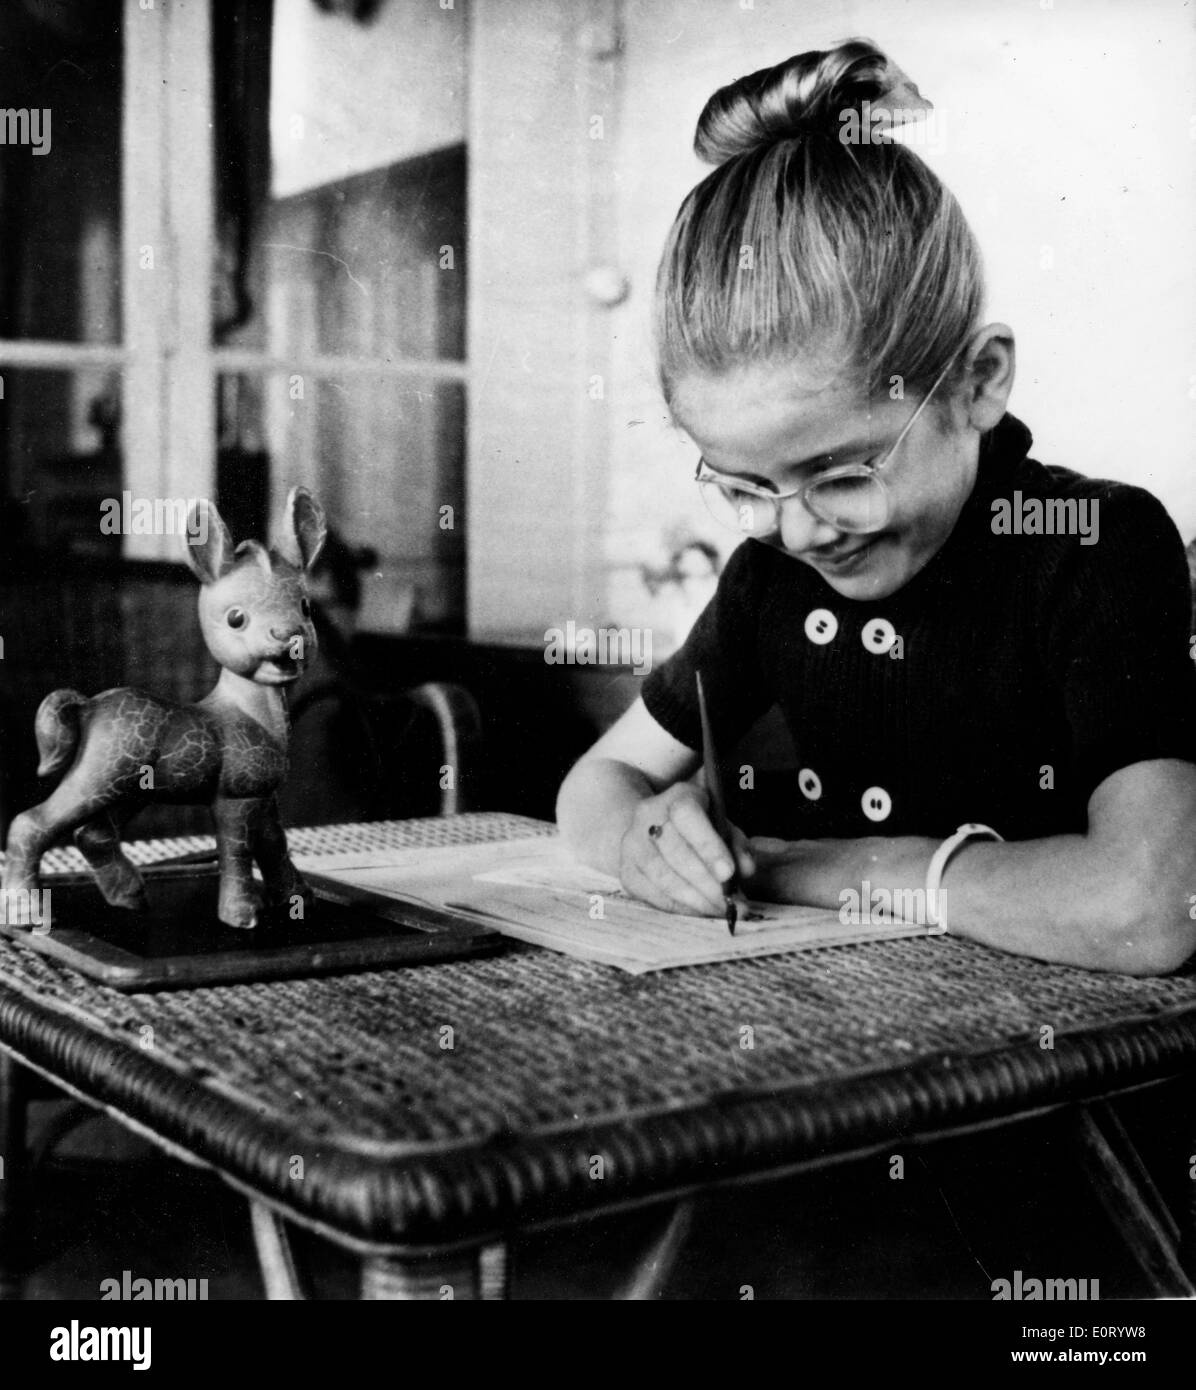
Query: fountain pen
[(718, 811)]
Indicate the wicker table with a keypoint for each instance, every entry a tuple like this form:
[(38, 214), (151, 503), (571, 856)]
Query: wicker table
[(565, 1088)]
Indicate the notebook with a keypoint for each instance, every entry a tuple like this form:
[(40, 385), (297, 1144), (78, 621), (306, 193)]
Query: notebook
[(533, 890)]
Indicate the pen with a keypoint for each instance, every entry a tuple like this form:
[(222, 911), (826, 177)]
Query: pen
[(718, 809)]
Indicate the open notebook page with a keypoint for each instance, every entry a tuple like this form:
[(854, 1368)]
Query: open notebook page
[(533, 890)]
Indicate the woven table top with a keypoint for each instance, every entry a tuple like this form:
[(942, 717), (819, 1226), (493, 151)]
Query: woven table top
[(675, 1079)]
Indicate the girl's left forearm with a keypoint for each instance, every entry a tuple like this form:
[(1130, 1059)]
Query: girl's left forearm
[(1060, 899)]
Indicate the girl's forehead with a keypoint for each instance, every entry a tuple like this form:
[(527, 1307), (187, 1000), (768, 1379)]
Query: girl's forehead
[(762, 409)]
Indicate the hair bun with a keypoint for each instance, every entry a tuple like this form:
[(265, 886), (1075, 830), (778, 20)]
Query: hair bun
[(805, 93)]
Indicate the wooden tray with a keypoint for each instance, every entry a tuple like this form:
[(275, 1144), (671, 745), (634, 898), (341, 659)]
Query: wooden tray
[(180, 943)]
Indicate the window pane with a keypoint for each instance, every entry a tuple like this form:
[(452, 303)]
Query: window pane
[(341, 225), (60, 171), (352, 95), (59, 459), (340, 163), (386, 458), (372, 266)]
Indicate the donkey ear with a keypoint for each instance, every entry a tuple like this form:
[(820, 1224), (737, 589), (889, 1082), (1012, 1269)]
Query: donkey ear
[(208, 547), (304, 529)]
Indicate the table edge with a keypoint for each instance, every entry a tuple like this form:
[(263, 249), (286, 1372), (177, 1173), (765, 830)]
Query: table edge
[(432, 1196)]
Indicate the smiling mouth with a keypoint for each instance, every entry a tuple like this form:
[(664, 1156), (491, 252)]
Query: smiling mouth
[(840, 560)]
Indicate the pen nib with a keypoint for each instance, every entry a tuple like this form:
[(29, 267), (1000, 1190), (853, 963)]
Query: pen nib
[(732, 915)]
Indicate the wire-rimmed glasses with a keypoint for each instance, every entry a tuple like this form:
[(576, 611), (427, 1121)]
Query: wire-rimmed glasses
[(851, 497)]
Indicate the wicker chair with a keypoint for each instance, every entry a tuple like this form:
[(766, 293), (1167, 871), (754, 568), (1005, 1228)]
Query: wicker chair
[(363, 751)]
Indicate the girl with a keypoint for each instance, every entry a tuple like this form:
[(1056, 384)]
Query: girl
[(983, 662)]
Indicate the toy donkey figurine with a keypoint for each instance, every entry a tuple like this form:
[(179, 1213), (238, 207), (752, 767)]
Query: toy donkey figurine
[(123, 748)]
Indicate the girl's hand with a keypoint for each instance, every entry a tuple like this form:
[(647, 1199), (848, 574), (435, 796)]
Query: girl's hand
[(808, 872), (682, 865)]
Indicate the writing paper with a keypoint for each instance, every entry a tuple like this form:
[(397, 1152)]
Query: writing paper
[(533, 890)]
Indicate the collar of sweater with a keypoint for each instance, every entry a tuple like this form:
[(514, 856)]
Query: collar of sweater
[(1002, 449)]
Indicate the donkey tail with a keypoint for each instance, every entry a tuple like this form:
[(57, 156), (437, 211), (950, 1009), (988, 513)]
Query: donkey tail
[(56, 726)]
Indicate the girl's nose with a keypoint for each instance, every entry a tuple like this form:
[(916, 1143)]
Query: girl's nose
[(800, 529)]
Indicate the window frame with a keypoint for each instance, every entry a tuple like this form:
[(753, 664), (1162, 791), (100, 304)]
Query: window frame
[(169, 367)]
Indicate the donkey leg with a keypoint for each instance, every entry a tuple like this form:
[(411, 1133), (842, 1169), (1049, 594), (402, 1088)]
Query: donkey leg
[(285, 886), (116, 876), (28, 837), (237, 821), (39, 829)]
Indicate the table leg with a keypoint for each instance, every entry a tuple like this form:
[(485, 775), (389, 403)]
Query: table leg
[(1125, 1190), (492, 1272), (274, 1254), (453, 1275), (14, 1158), (1187, 1232), (652, 1269)]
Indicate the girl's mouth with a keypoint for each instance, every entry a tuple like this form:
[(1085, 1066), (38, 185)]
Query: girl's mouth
[(846, 561)]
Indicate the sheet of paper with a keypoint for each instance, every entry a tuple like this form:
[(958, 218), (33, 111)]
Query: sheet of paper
[(533, 890)]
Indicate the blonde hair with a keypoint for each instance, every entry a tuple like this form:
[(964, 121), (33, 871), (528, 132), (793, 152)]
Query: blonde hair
[(800, 243)]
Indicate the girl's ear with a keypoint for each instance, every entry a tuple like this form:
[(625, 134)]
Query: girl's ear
[(991, 363), (304, 529), (208, 545)]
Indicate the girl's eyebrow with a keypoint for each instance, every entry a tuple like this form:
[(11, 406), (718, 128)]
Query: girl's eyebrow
[(758, 479), (856, 446)]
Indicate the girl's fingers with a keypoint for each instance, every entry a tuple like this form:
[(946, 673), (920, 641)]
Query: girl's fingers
[(690, 820), (663, 887), (680, 856), (767, 850), (636, 883), (744, 857), (674, 859)]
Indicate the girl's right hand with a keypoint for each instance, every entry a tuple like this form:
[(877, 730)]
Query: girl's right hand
[(683, 865)]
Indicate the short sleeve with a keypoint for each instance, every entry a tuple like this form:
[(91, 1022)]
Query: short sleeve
[(723, 646), (1119, 640)]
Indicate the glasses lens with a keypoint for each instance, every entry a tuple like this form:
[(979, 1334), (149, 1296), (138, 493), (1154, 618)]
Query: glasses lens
[(856, 503), (738, 511)]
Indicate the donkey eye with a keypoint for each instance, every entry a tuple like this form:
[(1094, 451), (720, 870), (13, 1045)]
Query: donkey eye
[(236, 618), (305, 608)]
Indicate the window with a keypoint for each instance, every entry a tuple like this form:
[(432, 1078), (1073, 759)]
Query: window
[(237, 267)]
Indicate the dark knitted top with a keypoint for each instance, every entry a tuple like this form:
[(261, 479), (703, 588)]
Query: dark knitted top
[(1020, 670)]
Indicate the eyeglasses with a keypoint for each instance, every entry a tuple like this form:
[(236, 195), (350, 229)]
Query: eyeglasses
[(852, 497)]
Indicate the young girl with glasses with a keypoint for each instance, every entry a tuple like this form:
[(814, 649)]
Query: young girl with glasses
[(985, 697)]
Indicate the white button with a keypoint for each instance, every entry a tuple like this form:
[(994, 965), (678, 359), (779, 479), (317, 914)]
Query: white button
[(810, 783), (878, 636), (821, 626), (877, 803)]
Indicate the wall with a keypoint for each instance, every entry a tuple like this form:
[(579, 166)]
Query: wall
[(540, 199)]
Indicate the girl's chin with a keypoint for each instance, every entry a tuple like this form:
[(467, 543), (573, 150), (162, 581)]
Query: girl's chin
[(868, 585)]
